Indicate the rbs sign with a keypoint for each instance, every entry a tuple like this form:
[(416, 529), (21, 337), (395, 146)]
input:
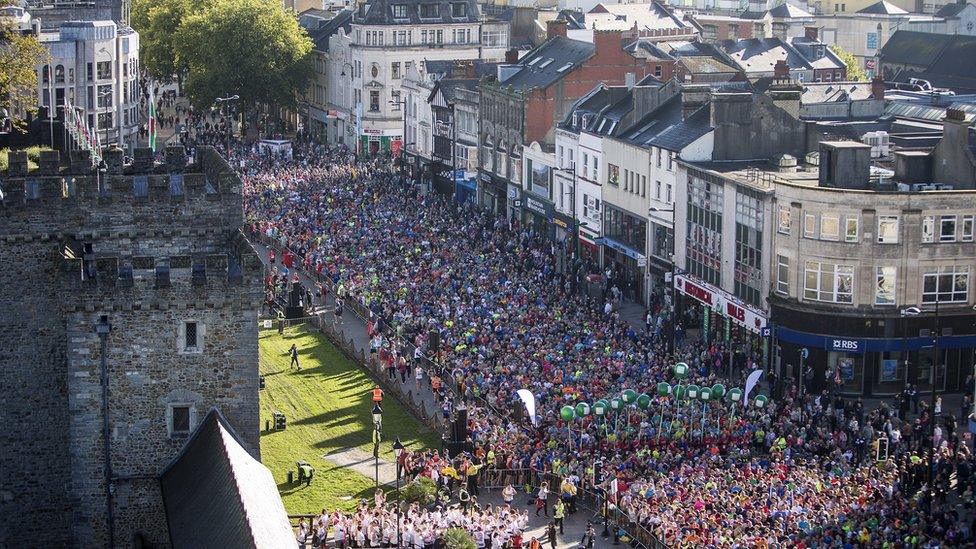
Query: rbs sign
[(846, 345)]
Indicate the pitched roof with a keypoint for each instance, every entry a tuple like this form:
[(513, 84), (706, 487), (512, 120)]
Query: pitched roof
[(913, 48), (832, 92), (759, 55), (883, 8), (415, 12), (650, 16), (685, 132), (320, 36), (548, 63), (642, 132), (789, 11), (952, 9), (217, 495)]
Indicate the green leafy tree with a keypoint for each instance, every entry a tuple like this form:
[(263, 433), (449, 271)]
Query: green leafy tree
[(854, 71), (458, 538), (251, 48), (21, 55), (157, 22)]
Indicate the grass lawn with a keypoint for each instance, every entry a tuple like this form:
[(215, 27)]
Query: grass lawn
[(327, 405)]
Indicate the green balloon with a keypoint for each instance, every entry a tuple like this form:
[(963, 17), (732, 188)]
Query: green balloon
[(643, 401), (582, 410), (761, 401), (705, 393), (680, 392), (735, 394), (693, 391), (663, 389), (681, 370), (615, 403), (603, 401), (629, 396), (718, 391), (600, 408), (567, 413)]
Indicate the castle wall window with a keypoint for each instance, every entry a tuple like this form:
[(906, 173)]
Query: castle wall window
[(190, 337), (180, 419)]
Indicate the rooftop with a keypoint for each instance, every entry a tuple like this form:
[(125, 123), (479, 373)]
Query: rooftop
[(645, 17), (416, 12), (548, 63)]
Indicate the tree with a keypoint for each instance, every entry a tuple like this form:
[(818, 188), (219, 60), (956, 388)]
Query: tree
[(20, 57), (854, 71), (250, 48), (458, 538), (157, 22)]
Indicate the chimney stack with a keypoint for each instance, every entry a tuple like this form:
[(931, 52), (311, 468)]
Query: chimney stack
[(511, 56), (813, 33), (607, 40), (878, 88), (693, 97), (781, 70), (555, 27)]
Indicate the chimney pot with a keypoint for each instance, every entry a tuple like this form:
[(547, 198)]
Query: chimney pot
[(781, 70), (813, 33), (511, 56), (878, 88), (555, 27)]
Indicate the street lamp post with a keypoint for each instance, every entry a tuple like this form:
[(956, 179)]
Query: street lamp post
[(674, 298), (397, 452), (221, 100), (915, 311), (377, 432), (402, 103)]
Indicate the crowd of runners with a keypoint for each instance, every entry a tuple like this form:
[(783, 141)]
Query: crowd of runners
[(486, 299)]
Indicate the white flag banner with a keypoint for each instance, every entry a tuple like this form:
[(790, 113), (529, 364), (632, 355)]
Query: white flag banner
[(751, 382), (528, 399)]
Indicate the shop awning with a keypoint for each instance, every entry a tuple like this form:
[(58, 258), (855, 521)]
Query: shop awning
[(621, 247), (867, 345)]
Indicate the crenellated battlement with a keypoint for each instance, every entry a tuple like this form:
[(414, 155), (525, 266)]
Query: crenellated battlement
[(139, 195)]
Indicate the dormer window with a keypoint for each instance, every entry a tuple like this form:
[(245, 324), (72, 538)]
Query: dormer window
[(399, 11), (428, 11), (459, 10)]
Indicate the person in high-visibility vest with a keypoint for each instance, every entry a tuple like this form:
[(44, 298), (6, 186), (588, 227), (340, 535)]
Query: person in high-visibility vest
[(559, 513), (377, 395), (305, 473)]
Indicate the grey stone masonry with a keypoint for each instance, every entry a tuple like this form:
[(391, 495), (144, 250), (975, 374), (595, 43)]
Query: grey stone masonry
[(156, 250)]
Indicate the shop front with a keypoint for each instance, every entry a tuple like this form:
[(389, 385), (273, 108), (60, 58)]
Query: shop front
[(628, 263), (724, 318), (493, 192), (537, 214), (373, 142), (465, 187), (874, 356)]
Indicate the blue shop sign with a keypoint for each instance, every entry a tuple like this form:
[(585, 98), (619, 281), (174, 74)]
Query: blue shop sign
[(845, 345), (626, 250)]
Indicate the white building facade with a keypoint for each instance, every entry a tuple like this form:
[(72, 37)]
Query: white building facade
[(94, 66), (387, 40)]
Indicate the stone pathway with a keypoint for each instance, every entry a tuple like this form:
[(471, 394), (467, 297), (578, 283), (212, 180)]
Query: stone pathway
[(363, 463)]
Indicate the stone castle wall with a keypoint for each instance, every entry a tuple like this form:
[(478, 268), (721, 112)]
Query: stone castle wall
[(81, 247)]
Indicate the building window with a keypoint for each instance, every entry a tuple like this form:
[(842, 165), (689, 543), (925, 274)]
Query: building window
[(179, 420), (782, 275), (828, 282), (809, 226), (586, 165), (190, 337), (946, 285), (105, 96), (428, 11), (670, 161), (440, 37), (829, 227), (704, 235), (613, 174), (748, 246), (374, 101), (59, 74), (784, 220), (493, 39), (395, 100), (884, 292), (670, 195), (851, 229), (888, 229), (947, 228), (967, 228), (928, 229), (657, 71), (459, 10), (104, 70), (399, 11), (643, 191), (395, 69)]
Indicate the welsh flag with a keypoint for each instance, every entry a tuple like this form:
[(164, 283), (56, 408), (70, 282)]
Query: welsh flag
[(152, 119)]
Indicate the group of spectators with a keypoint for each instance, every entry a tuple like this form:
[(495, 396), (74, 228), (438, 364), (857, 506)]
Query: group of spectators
[(482, 296), (419, 528)]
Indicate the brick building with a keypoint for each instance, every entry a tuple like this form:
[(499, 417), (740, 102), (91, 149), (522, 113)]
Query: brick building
[(527, 97), (129, 301)]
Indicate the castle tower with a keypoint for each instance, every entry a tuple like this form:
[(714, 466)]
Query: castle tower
[(129, 301)]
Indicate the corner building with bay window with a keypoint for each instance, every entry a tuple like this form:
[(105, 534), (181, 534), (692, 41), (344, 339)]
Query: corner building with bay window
[(846, 257)]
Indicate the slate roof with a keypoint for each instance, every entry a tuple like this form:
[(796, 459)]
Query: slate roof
[(381, 12), (320, 36), (685, 132), (653, 123), (549, 62), (789, 11), (808, 47), (883, 8), (759, 55), (831, 92), (913, 48), (217, 495), (951, 10), (701, 64), (624, 16)]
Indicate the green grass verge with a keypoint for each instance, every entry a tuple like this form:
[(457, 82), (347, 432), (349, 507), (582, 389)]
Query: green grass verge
[(328, 407)]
